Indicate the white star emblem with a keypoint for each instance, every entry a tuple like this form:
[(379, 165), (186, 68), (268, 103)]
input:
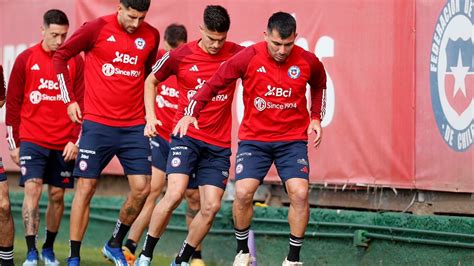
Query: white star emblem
[(459, 73)]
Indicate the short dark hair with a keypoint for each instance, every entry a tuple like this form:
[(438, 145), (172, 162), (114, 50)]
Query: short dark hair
[(175, 33), (55, 16), (216, 18), (283, 23), (139, 5)]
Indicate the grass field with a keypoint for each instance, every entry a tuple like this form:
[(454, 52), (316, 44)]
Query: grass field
[(89, 256)]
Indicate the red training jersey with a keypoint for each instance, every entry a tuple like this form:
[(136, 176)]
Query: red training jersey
[(166, 103), (3, 85), (274, 93), (116, 64), (35, 108), (192, 67)]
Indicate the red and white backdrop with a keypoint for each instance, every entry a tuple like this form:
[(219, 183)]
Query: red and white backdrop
[(400, 79)]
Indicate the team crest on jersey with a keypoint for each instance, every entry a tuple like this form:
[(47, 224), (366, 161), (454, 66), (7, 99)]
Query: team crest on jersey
[(83, 165), (175, 162), (140, 43), (294, 72), (239, 168), (452, 74)]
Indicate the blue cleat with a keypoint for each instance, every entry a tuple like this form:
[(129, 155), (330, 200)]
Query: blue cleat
[(31, 258), (115, 255), (47, 255), (73, 261)]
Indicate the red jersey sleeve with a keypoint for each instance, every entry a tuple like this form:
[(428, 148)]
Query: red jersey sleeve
[(82, 40), (16, 87), (78, 92), (3, 85), (166, 66), (153, 55), (231, 70), (317, 81)]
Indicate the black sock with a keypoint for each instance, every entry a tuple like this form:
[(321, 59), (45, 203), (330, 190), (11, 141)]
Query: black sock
[(185, 253), (295, 247), (197, 254), (119, 234), (242, 237), (6, 256), (30, 242), (131, 245), (75, 249), (50, 237), (149, 246)]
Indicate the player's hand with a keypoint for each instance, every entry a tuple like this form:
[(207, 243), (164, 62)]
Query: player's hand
[(150, 127), (315, 126), (70, 152), (15, 155), (2, 103), (74, 112), (183, 125)]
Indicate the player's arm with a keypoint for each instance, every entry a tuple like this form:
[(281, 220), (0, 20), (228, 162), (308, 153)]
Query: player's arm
[(82, 40), (3, 87), (16, 88), (150, 62), (317, 81), (229, 72)]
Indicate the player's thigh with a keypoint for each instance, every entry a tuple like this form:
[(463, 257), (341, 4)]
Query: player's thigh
[(33, 161), (253, 160), (213, 166), (58, 173), (291, 160), (134, 152), (160, 149)]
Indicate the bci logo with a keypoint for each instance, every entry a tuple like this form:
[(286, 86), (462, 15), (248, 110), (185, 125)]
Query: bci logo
[(125, 58), (48, 84), (278, 92), (167, 91)]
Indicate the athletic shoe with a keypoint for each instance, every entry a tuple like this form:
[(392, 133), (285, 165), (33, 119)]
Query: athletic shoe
[(129, 256), (31, 258), (115, 255), (197, 262), (73, 261), (243, 259), (47, 255), (181, 264), (291, 263), (143, 261)]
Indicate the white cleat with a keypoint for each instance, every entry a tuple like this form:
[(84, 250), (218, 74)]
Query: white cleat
[(243, 259), (291, 263)]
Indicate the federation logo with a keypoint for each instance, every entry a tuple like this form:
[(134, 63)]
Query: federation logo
[(35, 97), (23, 170), (175, 162), (108, 70), (140, 43), (260, 104), (452, 74), (239, 168), (294, 72), (83, 165)]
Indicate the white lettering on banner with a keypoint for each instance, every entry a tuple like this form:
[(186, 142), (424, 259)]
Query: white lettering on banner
[(324, 48), (125, 58)]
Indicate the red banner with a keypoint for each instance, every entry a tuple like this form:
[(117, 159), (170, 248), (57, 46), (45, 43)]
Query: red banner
[(380, 128)]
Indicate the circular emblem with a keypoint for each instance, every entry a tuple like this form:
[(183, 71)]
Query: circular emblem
[(140, 43), (108, 69), (35, 97), (452, 75), (239, 168), (260, 104), (175, 162), (83, 165), (294, 72), (23, 170)]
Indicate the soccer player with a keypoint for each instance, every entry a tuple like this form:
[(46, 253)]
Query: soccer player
[(40, 134), (275, 126), (166, 105), (119, 52), (7, 230), (204, 152)]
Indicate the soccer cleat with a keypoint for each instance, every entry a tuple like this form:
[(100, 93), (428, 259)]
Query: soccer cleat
[(47, 255), (291, 263), (197, 262), (129, 256), (181, 264), (243, 259), (31, 258), (115, 255), (73, 261), (143, 261)]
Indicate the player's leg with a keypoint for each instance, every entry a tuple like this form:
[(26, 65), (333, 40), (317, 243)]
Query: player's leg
[(159, 153), (291, 161), (211, 176), (253, 161), (96, 149), (192, 207), (6, 222)]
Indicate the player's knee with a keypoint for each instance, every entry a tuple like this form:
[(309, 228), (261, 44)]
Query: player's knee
[(210, 209), (33, 191), (57, 196), (86, 189), (4, 210), (141, 193), (299, 197), (173, 198), (243, 196)]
